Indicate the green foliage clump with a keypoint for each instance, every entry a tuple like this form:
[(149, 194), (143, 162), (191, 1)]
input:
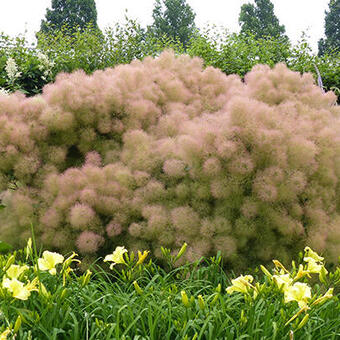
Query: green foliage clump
[(76, 14), (22, 67), (260, 20), (161, 152), (332, 31), (91, 49), (173, 18), (238, 53)]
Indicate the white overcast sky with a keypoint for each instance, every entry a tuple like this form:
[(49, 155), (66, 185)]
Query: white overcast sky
[(18, 16)]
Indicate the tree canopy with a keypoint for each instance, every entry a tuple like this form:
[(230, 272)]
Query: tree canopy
[(76, 14), (174, 18), (332, 29), (260, 20)]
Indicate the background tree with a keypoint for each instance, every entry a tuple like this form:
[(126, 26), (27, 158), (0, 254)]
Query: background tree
[(76, 14), (175, 18), (332, 29), (260, 20)]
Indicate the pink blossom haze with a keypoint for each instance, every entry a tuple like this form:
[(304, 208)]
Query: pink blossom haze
[(164, 151)]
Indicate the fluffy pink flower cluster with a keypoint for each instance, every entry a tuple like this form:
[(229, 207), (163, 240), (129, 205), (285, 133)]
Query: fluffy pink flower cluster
[(163, 151)]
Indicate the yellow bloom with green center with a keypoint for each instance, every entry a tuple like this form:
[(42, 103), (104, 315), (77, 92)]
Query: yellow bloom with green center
[(116, 257), (4, 334), (17, 288), (314, 266), (14, 271), (299, 292), (283, 280), (310, 253), (49, 260), (240, 284)]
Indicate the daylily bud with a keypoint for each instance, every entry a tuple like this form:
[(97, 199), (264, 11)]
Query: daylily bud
[(201, 302), (323, 298), (279, 265), (44, 291), (137, 288), (296, 315), (322, 275), (142, 257), (265, 271), (28, 249), (181, 251), (86, 278), (63, 294), (218, 288), (9, 262), (243, 318), (214, 300), (17, 324), (303, 322), (185, 299)]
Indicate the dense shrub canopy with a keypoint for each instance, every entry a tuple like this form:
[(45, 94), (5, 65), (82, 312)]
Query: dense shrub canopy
[(163, 151)]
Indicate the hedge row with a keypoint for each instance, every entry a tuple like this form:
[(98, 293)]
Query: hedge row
[(92, 50)]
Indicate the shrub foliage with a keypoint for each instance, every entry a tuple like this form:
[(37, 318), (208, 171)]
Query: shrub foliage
[(164, 151), (91, 49)]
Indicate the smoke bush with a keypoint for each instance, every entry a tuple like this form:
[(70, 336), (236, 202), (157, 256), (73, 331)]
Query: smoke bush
[(162, 151)]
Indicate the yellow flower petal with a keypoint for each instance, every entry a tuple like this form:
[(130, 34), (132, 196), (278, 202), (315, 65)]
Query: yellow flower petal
[(4, 334), (240, 284), (310, 253), (49, 260), (116, 256), (142, 257), (14, 271), (282, 281), (313, 266), (299, 292), (17, 288)]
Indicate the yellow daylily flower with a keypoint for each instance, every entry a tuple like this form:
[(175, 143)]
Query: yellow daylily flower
[(310, 253), (14, 271), (142, 257), (17, 288), (4, 334), (116, 257), (301, 273), (240, 284), (314, 266), (282, 281), (49, 260), (299, 292)]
